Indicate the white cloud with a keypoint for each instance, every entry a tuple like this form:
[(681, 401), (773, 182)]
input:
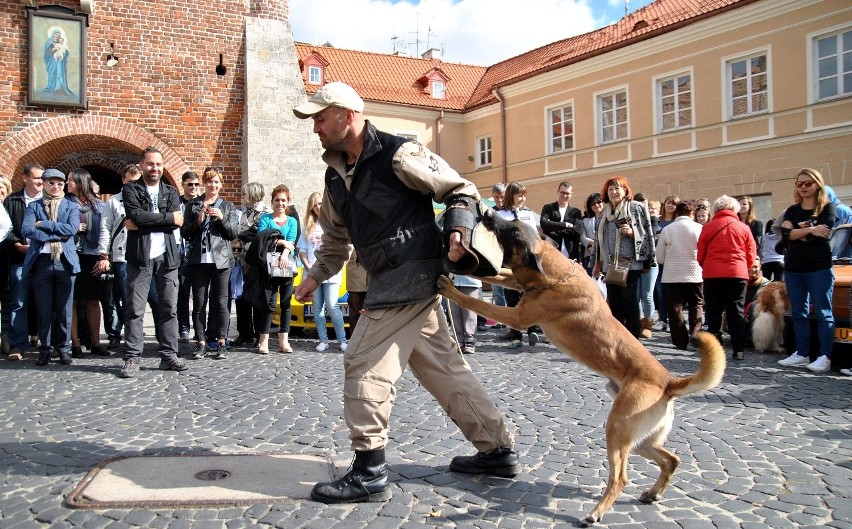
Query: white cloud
[(480, 32)]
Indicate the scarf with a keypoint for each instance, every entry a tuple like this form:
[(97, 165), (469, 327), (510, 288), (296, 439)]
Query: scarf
[(609, 215), (51, 207)]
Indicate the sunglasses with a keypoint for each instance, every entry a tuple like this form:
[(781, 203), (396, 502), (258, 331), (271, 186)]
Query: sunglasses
[(237, 249), (193, 184), (804, 183), (700, 208), (597, 202)]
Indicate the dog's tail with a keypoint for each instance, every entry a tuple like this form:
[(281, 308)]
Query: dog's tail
[(764, 332), (709, 374)]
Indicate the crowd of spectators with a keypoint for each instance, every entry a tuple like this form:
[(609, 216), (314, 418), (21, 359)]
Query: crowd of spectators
[(673, 266)]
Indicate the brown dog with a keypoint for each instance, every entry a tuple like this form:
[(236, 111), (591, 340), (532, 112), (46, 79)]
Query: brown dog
[(767, 328), (561, 298)]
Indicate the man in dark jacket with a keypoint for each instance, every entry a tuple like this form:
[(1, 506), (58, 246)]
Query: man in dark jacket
[(19, 290), (378, 196), (153, 214), (563, 223)]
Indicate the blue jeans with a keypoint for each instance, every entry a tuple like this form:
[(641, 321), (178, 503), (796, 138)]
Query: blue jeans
[(647, 284), (19, 291), (498, 295), (326, 297), (660, 296), (53, 285), (804, 288)]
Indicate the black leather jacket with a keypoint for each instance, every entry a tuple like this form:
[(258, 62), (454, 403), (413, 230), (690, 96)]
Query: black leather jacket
[(222, 232)]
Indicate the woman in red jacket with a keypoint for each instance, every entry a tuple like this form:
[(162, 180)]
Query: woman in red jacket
[(726, 250)]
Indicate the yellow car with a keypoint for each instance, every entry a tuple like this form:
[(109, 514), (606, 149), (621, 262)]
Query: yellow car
[(302, 314)]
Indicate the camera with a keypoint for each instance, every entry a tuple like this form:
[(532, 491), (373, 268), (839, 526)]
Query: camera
[(622, 222)]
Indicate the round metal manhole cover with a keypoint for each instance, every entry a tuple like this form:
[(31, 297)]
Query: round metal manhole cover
[(212, 475)]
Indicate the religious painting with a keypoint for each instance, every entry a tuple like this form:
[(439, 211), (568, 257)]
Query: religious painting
[(56, 62)]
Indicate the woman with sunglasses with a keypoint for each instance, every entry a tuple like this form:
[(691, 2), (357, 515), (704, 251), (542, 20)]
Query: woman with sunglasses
[(591, 217), (807, 268), (210, 225)]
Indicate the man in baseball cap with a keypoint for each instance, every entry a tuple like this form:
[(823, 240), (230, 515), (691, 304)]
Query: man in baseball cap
[(334, 94), (378, 196)]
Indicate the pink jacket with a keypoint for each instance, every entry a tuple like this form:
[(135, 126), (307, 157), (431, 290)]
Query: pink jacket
[(726, 247)]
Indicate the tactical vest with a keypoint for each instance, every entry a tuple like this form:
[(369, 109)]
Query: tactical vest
[(391, 226)]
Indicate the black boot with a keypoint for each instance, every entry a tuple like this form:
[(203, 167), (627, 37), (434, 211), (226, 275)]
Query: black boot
[(367, 481), (65, 358), (498, 462), (43, 358)]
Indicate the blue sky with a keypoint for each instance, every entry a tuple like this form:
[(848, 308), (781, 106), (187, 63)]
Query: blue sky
[(480, 32)]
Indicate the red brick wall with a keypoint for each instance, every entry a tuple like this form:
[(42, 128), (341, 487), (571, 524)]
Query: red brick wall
[(164, 90)]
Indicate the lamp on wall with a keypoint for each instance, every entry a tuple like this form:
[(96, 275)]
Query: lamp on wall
[(221, 69), (112, 60)]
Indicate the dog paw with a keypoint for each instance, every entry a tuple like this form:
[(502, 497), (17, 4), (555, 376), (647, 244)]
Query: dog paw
[(649, 497), (588, 521), (444, 284)]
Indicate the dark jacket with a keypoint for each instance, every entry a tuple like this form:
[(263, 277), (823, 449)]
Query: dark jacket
[(554, 227), (391, 226), (137, 206), (222, 232), (16, 206)]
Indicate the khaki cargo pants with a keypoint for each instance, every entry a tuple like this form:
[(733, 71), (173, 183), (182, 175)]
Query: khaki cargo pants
[(383, 344)]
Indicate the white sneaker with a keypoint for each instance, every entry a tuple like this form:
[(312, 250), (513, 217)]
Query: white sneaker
[(322, 347), (847, 372), (820, 365), (795, 359), (343, 346), (659, 326)]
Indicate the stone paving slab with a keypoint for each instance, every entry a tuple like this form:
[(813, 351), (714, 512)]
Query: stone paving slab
[(769, 448)]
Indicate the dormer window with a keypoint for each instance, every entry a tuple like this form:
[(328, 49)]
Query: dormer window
[(438, 89), (314, 75)]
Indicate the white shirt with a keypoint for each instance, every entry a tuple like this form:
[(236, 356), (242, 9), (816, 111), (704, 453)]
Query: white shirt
[(158, 238)]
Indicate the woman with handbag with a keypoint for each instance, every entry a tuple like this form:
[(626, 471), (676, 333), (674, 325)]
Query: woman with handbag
[(325, 298), (726, 251), (91, 286), (210, 224), (279, 285), (623, 249)]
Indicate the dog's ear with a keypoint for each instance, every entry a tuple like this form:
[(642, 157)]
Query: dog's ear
[(532, 260)]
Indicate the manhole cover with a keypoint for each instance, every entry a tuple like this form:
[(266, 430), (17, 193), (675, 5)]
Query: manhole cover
[(212, 475)]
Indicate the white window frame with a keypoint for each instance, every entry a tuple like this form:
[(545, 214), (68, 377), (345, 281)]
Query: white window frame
[(314, 72), (408, 135), (602, 114), (438, 89), (679, 107), (484, 151), (549, 127), (843, 86), (728, 64)]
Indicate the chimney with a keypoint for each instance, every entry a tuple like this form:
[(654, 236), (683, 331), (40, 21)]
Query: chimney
[(432, 53)]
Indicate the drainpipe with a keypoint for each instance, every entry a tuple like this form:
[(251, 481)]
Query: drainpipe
[(438, 122), (502, 101)]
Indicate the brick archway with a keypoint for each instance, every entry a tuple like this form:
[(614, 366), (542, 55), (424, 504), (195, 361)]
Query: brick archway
[(61, 140)]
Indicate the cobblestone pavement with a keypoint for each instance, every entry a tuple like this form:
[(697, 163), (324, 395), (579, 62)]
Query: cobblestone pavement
[(770, 447)]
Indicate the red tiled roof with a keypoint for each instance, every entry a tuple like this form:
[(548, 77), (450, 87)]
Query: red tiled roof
[(393, 78), (396, 79), (657, 17)]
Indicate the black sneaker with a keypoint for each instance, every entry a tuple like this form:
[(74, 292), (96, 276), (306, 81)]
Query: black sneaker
[(77, 352), (498, 462), (199, 352), (184, 337), (533, 337), (114, 342), (221, 352), (173, 363), (100, 350), (131, 367)]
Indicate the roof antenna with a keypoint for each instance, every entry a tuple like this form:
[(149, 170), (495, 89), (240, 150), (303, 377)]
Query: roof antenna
[(626, 7)]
